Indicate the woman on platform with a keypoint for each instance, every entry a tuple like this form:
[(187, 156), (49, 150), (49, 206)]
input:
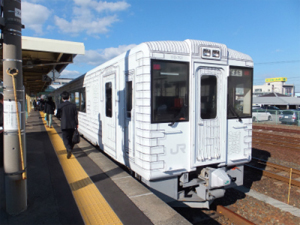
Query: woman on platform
[(49, 109)]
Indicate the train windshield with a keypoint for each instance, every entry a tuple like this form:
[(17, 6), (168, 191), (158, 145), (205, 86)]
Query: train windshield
[(169, 91), (239, 92)]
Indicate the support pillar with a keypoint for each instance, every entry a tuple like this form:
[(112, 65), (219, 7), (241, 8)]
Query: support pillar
[(14, 110)]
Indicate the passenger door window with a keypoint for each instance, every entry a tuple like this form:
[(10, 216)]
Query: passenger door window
[(128, 98), (208, 97), (108, 99)]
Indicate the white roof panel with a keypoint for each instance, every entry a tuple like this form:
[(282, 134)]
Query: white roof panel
[(50, 45)]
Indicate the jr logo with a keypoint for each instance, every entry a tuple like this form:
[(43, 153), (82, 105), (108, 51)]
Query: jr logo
[(179, 148)]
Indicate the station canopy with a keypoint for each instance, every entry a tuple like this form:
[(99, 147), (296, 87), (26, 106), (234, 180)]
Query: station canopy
[(41, 56)]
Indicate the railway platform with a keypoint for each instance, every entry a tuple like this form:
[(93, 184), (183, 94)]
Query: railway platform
[(88, 188)]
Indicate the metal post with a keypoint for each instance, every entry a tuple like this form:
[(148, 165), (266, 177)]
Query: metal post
[(14, 108)]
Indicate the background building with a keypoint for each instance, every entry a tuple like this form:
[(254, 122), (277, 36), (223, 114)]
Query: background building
[(274, 85), (58, 83)]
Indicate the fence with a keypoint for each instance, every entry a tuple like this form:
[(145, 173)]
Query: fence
[(284, 117)]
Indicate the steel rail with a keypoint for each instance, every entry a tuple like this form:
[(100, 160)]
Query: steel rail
[(276, 166), (282, 136), (275, 137), (277, 140), (276, 176), (232, 216), (264, 143), (276, 129)]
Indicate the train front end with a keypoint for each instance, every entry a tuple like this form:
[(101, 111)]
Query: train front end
[(210, 135)]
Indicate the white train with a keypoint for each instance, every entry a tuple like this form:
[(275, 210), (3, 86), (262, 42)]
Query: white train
[(177, 113)]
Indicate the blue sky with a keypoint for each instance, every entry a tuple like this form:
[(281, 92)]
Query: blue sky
[(267, 30)]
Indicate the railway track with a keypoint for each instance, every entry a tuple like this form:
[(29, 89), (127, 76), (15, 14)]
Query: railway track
[(218, 215), (278, 136), (267, 139), (261, 165), (262, 143), (283, 128), (232, 216)]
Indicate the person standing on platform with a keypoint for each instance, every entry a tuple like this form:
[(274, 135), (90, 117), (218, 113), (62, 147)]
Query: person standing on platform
[(34, 105), (38, 103), (49, 109), (67, 112), (1, 130)]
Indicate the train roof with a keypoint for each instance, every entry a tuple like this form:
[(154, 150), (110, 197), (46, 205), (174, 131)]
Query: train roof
[(186, 47), (192, 47)]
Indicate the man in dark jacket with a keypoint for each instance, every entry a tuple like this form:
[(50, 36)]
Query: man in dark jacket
[(67, 112)]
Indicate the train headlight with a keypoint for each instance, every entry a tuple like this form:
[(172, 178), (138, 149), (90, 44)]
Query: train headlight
[(211, 53), (206, 52), (216, 53)]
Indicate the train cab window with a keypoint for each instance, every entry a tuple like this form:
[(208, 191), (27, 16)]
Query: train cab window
[(208, 97), (169, 91), (239, 92), (128, 98), (108, 99)]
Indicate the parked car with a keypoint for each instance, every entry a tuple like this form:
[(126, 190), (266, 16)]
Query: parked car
[(260, 114), (272, 109), (289, 116)]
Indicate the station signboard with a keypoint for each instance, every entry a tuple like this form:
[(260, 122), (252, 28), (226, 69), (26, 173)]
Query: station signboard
[(276, 79)]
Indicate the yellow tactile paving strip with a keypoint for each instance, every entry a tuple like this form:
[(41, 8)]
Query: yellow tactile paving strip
[(92, 205)]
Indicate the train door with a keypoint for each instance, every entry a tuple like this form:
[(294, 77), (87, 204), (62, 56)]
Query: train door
[(210, 115), (110, 110)]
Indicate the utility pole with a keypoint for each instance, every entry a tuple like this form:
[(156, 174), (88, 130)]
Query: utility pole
[(14, 109)]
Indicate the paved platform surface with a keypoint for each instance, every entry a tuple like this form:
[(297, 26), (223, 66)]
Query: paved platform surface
[(51, 197)]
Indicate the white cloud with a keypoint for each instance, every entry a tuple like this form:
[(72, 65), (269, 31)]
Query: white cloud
[(97, 57), (94, 58), (34, 16), (35, 1), (103, 5), (99, 25), (70, 74), (111, 6), (86, 17)]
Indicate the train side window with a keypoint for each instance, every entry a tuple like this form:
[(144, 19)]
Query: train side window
[(108, 99), (128, 98), (59, 99), (72, 97), (77, 100), (82, 100), (208, 97)]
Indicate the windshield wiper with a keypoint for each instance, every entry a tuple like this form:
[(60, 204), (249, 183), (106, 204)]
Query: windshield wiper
[(182, 113), (234, 112)]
